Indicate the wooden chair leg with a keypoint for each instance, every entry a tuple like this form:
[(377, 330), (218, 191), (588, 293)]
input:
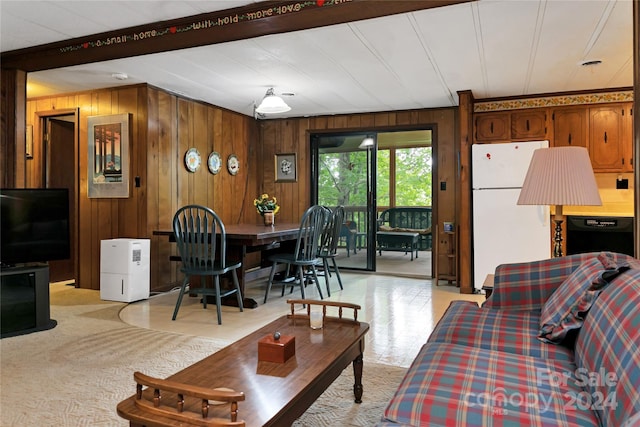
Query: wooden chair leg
[(316, 280), (216, 280), (302, 280), (234, 275), (273, 272), (180, 295), (335, 267), (203, 285), (325, 265)]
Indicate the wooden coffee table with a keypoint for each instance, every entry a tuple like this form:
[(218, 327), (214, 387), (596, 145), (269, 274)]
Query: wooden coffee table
[(276, 394)]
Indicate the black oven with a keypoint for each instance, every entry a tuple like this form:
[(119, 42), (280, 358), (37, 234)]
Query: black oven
[(594, 234)]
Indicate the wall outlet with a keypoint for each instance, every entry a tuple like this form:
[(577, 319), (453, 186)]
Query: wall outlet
[(622, 184)]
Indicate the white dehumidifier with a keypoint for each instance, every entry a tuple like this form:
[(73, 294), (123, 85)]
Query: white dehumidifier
[(124, 269)]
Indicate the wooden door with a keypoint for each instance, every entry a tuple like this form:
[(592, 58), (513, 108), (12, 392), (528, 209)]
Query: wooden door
[(60, 147), (606, 131), (570, 127)]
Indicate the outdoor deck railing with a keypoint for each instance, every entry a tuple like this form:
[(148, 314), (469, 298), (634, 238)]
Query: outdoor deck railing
[(358, 214)]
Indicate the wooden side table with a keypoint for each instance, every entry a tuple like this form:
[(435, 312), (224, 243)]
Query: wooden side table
[(487, 285), (447, 254)]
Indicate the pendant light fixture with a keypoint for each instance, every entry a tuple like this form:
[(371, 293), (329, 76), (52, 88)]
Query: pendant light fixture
[(272, 104), (367, 142)]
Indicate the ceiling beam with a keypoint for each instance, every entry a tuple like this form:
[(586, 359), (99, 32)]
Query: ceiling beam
[(259, 19)]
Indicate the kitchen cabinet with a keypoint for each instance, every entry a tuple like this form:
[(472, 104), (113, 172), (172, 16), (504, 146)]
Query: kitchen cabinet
[(627, 137), (606, 130), (570, 127), (529, 125), (493, 127), (504, 126), (610, 133)]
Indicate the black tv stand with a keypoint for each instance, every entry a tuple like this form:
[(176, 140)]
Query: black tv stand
[(24, 300)]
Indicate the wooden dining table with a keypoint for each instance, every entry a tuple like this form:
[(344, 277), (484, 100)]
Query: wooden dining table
[(243, 239)]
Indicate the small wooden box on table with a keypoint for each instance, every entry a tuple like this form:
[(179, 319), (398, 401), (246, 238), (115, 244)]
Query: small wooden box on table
[(275, 350)]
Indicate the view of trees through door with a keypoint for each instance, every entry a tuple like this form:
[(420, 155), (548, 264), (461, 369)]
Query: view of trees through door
[(396, 170)]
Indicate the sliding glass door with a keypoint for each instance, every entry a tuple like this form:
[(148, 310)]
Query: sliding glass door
[(367, 172), (344, 172)]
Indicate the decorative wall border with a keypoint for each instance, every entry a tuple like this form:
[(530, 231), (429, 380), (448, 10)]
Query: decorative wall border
[(263, 12), (554, 101)]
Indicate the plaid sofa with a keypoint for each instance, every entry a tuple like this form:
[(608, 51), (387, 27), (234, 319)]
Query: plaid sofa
[(487, 366)]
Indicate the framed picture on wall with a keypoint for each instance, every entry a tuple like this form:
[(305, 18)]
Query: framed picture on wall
[(286, 167), (108, 162)]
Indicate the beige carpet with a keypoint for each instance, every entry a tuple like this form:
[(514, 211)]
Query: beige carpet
[(76, 373)]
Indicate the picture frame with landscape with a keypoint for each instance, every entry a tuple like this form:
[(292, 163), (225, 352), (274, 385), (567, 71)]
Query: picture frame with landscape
[(108, 156)]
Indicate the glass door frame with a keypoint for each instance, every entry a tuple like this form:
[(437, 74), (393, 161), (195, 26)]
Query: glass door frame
[(371, 208)]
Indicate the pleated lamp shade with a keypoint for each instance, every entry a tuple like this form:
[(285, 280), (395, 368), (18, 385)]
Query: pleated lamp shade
[(560, 176)]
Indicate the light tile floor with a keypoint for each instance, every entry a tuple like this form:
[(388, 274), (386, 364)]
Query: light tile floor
[(401, 312)]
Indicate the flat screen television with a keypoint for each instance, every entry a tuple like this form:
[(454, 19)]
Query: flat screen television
[(35, 225)]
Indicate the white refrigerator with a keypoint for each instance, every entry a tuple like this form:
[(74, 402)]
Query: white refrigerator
[(503, 231)]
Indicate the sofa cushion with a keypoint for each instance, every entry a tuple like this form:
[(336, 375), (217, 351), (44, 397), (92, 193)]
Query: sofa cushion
[(528, 285), (450, 384), (566, 307), (608, 350), (511, 331)]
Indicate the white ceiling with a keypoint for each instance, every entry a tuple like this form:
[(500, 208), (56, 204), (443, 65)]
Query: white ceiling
[(495, 48)]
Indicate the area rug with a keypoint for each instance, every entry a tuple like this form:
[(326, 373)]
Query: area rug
[(76, 373)]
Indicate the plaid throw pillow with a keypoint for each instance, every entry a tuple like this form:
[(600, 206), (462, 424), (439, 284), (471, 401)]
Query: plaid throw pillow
[(566, 307)]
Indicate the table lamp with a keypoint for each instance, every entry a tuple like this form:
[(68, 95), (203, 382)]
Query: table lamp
[(560, 176)]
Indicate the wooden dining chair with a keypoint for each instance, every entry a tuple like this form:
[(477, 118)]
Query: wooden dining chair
[(201, 239), (328, 247), (305, 257)]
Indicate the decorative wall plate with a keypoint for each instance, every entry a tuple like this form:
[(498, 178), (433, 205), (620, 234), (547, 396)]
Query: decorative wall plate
[(214, 162), (192, 160), (233, 164)]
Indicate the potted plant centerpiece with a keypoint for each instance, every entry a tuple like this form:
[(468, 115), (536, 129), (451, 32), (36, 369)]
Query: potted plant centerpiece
[(267, 207)]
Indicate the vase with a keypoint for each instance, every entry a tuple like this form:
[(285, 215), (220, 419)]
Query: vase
[(268, 218)]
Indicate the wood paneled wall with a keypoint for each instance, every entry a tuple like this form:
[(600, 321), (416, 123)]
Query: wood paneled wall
[(163, 128), (174, 126), (98, 219), (13, 98), (292, 136)]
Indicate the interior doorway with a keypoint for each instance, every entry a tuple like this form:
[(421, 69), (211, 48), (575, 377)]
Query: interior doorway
[(59, 170)]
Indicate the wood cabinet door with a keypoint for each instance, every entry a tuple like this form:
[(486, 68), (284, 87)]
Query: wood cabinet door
[(606, 137), (529, 124), (570, 127), (627, 137), (491, 127)]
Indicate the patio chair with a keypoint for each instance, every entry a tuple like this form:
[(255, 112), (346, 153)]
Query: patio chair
[(353, 237)]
